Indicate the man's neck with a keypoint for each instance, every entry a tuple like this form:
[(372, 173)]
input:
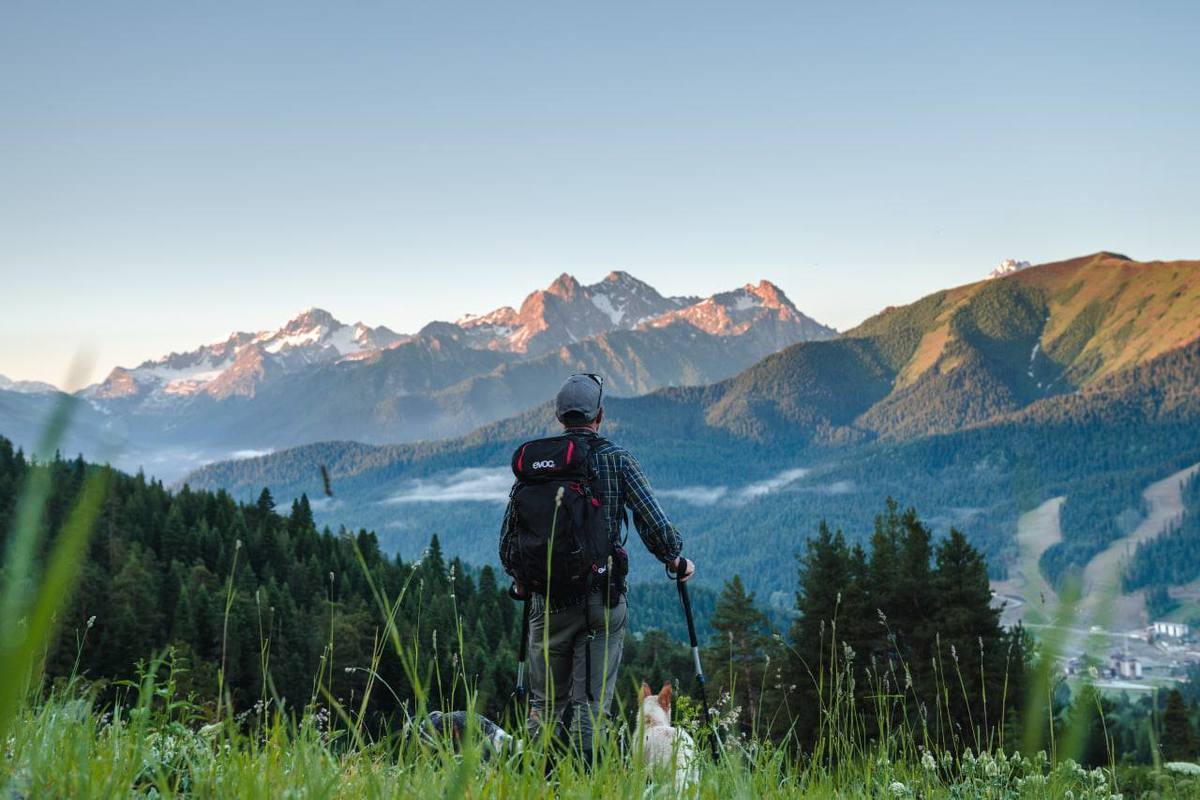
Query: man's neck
[(592, 429)]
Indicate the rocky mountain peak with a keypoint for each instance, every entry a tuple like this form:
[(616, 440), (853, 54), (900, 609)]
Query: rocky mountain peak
[(310, 319), (564, 286), (769, 294)]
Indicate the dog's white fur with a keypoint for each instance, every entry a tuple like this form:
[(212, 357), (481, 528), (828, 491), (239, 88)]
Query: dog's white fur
[(664, 745)]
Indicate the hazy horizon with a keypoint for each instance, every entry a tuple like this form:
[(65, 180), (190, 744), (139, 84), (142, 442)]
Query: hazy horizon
[(173, 174)]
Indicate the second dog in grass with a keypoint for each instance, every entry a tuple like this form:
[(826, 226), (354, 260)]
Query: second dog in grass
[(452, 727), (666, 746)]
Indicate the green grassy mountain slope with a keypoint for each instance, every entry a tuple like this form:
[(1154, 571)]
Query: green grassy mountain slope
[(966, 355)]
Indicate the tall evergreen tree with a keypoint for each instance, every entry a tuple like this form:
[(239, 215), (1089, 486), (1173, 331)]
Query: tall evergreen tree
[(740, 649), (1178, 735)]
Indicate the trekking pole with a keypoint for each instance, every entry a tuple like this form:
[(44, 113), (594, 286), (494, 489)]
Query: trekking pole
[(686, 599), (522, 649)]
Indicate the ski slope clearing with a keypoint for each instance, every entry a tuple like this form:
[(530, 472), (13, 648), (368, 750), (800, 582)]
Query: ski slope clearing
[(1103, 603), (1027, 594)]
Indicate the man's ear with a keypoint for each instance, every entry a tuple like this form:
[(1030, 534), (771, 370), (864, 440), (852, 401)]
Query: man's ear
[(664, 696), (645, 690), (600, 416)]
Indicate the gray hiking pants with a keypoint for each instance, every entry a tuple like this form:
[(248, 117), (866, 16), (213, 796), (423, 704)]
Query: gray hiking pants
[(559, 641)]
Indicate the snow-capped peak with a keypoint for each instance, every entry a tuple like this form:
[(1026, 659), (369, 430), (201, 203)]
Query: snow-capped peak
[(26, 387), (235, 365), (1007, 267)]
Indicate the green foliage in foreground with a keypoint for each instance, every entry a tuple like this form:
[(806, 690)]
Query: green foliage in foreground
[(156, 746)]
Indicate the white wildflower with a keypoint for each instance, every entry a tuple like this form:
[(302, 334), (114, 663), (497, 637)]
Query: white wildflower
[(1184, 767)]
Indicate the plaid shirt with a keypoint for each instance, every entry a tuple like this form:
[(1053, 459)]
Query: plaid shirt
[(622, 484)]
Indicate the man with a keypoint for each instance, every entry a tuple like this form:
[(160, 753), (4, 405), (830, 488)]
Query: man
[(580, 640)]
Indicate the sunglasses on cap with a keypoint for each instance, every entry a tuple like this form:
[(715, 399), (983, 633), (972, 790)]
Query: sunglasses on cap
[(599, 379)]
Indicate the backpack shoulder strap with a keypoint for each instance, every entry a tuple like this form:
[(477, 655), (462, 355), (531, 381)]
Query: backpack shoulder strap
[(623, 527)]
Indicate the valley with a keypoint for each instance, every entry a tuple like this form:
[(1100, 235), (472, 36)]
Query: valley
[(931, 403), (1026, 593)]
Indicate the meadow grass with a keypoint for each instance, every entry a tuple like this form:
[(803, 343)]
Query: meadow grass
[(58, 742)]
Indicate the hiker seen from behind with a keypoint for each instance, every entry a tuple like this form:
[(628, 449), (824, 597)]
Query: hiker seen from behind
[(561, 541)]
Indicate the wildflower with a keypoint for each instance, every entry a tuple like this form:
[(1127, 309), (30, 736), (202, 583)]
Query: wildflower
[(928, 762), (237, 545), (91, 621), (1183, 767)]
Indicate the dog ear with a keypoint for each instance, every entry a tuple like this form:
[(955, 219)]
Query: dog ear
[(664, 696), (645, 691)]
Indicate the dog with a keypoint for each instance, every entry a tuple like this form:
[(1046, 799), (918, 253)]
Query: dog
[(666, 746), (453, 725)]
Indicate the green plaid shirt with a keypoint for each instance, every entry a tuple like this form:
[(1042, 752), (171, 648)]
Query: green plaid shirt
[(623, 485)]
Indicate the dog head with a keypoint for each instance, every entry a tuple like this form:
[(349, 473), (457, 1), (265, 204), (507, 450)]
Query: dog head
[(656, 708)]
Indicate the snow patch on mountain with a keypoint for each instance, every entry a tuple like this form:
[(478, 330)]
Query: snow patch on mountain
[(746, 302), (278, 343), (1007, 267), (602, 302)]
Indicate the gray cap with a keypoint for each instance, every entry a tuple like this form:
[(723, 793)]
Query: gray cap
[(579, 394)]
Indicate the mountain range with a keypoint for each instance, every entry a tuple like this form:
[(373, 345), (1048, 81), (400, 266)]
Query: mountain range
[(1076, 382), (1078, 378), (316, 378)]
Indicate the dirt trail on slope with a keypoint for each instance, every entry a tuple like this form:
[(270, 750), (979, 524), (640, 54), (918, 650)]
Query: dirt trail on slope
[(1102, 603), (1025, 592)]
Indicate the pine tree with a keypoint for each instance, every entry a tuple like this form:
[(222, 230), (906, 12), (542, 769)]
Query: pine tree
[(824, 571), (1178, 736), (739, 648)]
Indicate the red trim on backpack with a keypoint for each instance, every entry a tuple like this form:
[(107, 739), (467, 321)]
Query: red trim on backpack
[(570, 450), (521, 455)]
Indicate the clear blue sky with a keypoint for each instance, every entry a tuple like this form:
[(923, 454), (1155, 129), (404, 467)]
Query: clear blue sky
[(170, 172)]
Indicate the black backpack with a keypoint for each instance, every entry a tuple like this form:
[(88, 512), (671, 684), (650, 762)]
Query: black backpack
[(563, 546)]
